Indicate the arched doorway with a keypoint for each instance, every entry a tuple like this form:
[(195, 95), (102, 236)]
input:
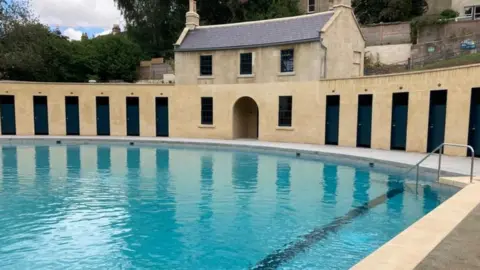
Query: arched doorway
[(245, 119)]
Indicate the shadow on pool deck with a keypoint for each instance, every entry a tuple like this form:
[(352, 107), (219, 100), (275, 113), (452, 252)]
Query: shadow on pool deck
[(460, 249)]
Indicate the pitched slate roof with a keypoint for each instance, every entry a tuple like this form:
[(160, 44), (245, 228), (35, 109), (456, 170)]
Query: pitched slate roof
[(289, 30)]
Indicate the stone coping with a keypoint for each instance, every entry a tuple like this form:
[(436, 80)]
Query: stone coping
[(327, 80), (460, 182), (412, 246), (87, 83)]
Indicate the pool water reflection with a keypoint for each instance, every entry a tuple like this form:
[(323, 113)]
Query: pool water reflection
[(101, 206)]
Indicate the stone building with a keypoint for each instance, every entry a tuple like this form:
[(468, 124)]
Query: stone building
[(301, 48), (311, 6), (154, 69), (467, 9)]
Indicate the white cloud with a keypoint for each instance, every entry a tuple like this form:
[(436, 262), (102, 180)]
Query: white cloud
[(106, 32), (78, 13), (72, 34)]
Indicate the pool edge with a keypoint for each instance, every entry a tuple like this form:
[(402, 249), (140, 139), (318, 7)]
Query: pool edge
[(410, 247)]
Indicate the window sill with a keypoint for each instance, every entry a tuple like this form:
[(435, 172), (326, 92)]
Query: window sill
[(206, 126), (286, 73), (246, 75), (286, 128), (205, 77)]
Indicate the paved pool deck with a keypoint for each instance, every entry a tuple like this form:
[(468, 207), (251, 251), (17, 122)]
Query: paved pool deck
[(460, 249), (446, 238)]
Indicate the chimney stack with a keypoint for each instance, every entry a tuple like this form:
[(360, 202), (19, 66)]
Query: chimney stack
[(116, 29), (344, 3), (193, 19)]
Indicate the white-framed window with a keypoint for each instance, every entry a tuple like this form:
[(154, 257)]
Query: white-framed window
[(206, 65), (311, 6), (246, 63), (357, 64), (287, 61), (473, 12)]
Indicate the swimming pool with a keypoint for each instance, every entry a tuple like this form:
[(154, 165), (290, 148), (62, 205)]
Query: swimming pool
[(114, 206)]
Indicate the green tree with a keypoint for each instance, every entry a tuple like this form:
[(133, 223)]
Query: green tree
[(376, 11), (156, 24), (111, 57), (30, 52), (13, 12), (396, 10), (419, 7)]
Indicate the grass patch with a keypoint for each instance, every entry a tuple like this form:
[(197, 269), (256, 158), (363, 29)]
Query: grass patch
[(467, 59)]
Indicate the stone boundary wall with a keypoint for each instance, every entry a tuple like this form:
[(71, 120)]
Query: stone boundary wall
[(387, 33), (389, 54), (449, 31)]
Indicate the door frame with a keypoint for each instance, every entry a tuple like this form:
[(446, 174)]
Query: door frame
[(76, 98), (14, 120), (399, 95), (157, 133), (129, 122), (368, 98), (430, 128), (333, 98), (97, 99), (38, 100), (473, 131)]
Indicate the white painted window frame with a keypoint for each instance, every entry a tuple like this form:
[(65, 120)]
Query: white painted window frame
[(474, 13)]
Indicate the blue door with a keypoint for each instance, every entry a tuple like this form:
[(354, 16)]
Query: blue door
[(332, 120), (364, 120), (103, 116), (133, 116), (162, 116), (398, 140), (72, 116), (474, 127), (436, 119), (7, 112), (40, 114)]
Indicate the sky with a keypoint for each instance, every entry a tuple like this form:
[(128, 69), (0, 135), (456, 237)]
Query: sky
[(73, 17)]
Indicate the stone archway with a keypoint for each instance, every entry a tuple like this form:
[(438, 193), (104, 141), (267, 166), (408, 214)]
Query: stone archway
[(245, 119)]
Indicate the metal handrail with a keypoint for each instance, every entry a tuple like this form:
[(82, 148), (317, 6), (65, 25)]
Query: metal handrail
[(440, 149)]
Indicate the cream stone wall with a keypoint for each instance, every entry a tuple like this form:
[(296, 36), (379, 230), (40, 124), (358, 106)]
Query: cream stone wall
[(309, 98), (308, 65), (320, 5), (390, 54), (343, 39), (459, 5)]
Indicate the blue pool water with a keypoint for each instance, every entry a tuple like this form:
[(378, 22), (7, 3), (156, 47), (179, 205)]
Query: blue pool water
[(118, 207)]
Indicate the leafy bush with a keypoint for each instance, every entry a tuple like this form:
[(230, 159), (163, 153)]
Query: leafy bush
[(420, 22), (449, 14)]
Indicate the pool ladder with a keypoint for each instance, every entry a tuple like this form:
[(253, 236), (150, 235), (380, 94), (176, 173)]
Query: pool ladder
[(440, 151)]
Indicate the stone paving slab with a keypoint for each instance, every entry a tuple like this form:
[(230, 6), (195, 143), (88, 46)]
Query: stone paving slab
[(458, 181), (456, 165), (460, 249)]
